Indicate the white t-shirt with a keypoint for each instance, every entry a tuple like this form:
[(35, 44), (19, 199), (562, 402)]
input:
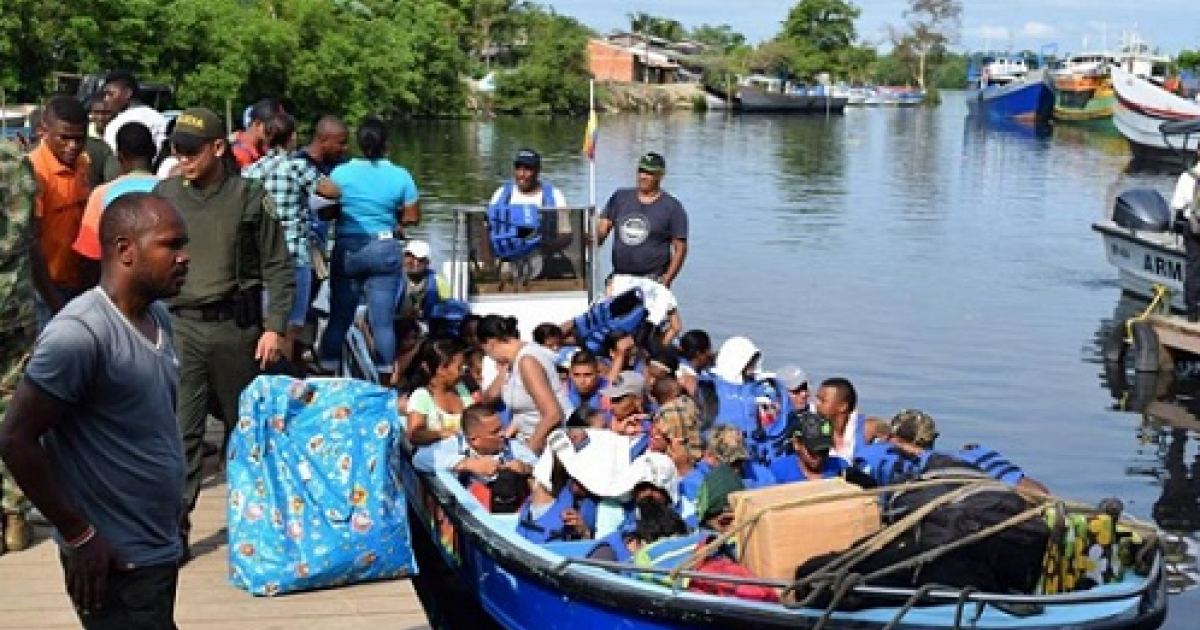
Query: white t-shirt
[(658, 299), (144, 114), (1185, 191)]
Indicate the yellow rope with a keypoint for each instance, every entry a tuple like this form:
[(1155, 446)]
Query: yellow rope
[(1161, 292)]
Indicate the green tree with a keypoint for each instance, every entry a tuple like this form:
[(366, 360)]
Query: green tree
[(552, 74), (1188, 60), (930, 26), (826, 25), (721, 37)]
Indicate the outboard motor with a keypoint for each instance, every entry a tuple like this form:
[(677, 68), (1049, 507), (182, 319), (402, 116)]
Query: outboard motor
[(1143, 209)]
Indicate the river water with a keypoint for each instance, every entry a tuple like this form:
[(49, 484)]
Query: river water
[(938, 264)]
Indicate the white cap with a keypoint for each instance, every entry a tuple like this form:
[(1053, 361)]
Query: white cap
[(659, 471), (418, 249)]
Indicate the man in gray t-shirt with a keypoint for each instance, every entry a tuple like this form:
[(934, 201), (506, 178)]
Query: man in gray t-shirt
[(91, 433), (651, 226)]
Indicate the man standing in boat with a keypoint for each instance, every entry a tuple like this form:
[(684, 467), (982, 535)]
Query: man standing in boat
[(1186, 203), (651, 225)]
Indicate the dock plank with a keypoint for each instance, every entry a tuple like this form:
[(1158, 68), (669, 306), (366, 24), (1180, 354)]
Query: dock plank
[(32, 593)]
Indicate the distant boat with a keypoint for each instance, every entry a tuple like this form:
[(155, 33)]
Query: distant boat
[(1082, 87), (1007, 87), (758, 94), (1141, 109)]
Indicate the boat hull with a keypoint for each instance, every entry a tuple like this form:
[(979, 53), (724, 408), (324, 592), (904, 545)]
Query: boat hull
[(1084, 100), (757, 101), (526, 587), (1145, 260), (1141, 108), (1030, 102)]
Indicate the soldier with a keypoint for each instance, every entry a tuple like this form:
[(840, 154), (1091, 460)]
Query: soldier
[(18, 325), (222, 335)]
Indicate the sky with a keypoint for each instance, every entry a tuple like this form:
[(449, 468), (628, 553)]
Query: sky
[(998, 24)]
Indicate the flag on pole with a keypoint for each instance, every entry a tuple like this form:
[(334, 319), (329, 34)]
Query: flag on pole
[(589, 138)]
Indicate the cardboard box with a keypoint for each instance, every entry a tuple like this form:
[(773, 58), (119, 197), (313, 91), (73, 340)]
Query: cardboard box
[(785, 538)]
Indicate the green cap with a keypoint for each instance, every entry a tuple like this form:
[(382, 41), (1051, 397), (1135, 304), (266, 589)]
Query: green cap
[(652, 163), (196, 126)]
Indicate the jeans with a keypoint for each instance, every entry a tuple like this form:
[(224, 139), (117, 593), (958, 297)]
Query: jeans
[(363, 267)]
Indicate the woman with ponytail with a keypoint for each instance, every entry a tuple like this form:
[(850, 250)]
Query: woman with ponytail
[(436, 405), (528, 382)]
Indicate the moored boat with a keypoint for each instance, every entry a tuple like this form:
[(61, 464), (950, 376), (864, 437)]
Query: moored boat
[(1007, 87), (1141, 242), (1083, 92), (1142, 107)]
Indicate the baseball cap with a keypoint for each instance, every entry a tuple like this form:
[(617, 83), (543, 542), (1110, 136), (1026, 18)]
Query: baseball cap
[(627, 383), (916, 426), (652, 163), (815, 430), (418, 249), (195, 127), (728, 445), (792, 377), (528, 157)]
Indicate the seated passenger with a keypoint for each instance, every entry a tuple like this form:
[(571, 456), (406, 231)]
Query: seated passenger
[(905, 454), (652, 521), (436, 405), (627, 396), (749, 401), (795, 381), (696, 358), (584, 382), (479, 454), (812, 438), (677, 417), (837, 400), (422, 287), (727, 446), (659, 363), (548, 336), (712, 501)]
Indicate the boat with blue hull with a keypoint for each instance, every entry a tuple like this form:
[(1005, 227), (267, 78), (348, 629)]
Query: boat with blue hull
[(1010, 88), (524, 585)]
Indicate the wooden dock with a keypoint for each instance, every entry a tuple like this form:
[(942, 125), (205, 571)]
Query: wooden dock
[(1173, 334), (32, 594)]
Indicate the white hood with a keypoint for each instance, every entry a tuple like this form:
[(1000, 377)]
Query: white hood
[(733, 357)]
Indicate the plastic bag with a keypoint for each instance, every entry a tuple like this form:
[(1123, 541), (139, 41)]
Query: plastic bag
[(313, 501)]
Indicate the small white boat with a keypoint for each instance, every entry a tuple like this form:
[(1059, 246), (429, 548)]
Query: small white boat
[(1141, 242), (1141, 109)]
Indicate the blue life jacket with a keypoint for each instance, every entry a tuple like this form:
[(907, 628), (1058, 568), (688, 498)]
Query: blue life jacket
[(670, 553), (431, 299), (616, 542), (992, 463), (787, 469), (887, 464), (550, 526), (737, 404), (515, 230), (446, 317), (623, 312)]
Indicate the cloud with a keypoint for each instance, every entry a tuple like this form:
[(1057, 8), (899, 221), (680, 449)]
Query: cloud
[(1038, 30), (990, 32)]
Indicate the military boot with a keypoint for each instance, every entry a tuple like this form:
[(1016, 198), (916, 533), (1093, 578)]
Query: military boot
[(18, 534)]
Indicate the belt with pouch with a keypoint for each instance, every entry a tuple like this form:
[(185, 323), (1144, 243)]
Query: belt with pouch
[(215, 312)]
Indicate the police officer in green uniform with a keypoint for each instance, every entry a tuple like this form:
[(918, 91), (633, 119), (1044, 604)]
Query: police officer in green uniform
[(223, 333), (18, 325)]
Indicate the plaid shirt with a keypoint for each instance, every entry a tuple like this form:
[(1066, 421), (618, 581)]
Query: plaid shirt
[(289, 182), (680, 418)]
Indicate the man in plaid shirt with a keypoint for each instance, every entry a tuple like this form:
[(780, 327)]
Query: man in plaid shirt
[(290, 182)]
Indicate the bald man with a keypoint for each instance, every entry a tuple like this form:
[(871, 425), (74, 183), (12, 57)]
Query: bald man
[(91, 434)]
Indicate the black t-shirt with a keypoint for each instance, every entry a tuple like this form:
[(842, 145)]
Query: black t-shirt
[(643, 231)]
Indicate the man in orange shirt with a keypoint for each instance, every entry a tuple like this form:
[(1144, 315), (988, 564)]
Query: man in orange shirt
[(60, 168)]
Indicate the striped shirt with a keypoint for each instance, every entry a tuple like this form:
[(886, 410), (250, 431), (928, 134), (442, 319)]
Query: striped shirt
[(289, 182)]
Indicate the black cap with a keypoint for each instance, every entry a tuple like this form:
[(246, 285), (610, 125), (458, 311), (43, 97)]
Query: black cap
[(815, 430), (195, 127), (528, 157), (652, 163)]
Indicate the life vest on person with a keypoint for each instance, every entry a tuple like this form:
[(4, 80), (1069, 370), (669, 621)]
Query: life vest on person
[(616, 542), (992, 463), (886, 464), (669, 553), (446, 317), (623, 312), (724, 402), (515, 230), (550, 527)]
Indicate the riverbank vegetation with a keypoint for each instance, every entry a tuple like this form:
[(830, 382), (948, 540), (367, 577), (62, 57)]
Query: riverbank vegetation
[(427, 58)]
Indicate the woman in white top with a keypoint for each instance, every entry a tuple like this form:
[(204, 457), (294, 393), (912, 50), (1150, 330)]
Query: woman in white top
[(528, 382), (436, 405)]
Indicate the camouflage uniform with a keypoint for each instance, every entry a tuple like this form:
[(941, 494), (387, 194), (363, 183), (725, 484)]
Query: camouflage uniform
[(18, 329), (914, 426)]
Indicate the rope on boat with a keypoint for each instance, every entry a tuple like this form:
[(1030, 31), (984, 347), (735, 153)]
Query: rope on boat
[(1161, 293)]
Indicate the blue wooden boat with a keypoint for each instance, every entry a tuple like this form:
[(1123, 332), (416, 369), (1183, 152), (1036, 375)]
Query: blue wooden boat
[(1009, 87), (527, 586)]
